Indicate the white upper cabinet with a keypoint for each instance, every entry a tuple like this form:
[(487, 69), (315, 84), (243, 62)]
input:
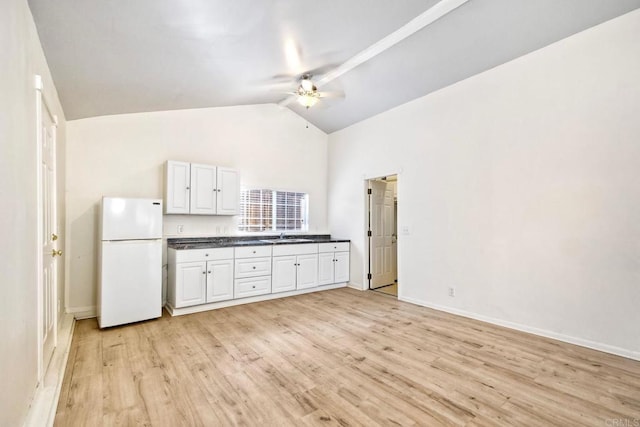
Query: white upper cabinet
[(203, 189), (177, 187), (228, 191), (192, 188)]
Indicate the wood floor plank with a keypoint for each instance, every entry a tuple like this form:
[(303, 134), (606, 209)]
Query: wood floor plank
[(337, 358)]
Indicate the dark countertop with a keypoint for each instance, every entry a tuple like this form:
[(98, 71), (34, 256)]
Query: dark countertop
[(231, 241)]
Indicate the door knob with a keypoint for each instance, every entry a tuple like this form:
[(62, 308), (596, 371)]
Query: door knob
[(54, 237), (56, 253)]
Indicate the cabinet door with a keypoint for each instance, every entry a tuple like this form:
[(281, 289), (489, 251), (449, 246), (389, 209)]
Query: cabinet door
[(341, 267), (325, 268), (228, 191), (191, 281), (219, 280), (283, 274), (307, 271), (203, 189), (177, 187)]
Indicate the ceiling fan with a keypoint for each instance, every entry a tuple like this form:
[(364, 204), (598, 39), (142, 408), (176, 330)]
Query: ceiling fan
[(307, 93)]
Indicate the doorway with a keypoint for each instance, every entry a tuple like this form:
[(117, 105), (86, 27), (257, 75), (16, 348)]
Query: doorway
[(48, 252), (382, 234)]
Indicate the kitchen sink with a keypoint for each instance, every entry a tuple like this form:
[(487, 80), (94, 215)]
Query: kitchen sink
[(276, 241)]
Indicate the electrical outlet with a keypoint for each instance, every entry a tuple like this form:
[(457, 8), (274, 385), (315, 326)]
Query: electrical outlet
[(405, 230), (452, 292), (180, 229)]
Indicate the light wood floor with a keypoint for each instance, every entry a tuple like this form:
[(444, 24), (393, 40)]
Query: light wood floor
[(340, 357), (389, 289)]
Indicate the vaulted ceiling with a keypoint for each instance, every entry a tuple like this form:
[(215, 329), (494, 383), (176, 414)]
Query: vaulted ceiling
[(117, 56)]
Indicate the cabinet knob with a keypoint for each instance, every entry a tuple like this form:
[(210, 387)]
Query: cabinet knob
[(254, 286), (204, 272), (254, 267), (209, 272), (254, 252), (206, 254), (188, 188)]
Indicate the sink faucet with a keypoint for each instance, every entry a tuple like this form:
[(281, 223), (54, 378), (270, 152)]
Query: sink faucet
[(282, 235)]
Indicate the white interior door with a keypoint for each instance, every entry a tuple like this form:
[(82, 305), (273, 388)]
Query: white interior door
[(381, 252), (47, 294)]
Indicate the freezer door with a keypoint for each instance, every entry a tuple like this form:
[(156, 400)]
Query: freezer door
[(130, 287), (130, 219)]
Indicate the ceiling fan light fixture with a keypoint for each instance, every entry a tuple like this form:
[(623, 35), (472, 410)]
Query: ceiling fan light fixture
[(307, 100), (307, 84)]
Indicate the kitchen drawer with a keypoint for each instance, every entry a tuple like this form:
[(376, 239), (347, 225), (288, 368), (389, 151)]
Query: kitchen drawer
[(334, 247), (249, 267), (190, 255), (253, 251), (252, 286), (303, 249)]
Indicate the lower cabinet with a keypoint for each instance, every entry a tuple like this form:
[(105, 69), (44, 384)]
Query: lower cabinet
[(219, 280), (190, 284), (252, 286), (307, 274), (252, 271), (199, 276), (333, 263), (294, 272)]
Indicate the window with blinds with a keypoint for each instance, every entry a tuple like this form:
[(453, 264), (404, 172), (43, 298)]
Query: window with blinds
[(270, 210)]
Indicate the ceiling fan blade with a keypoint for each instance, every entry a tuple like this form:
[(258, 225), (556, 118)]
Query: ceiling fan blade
[(288, 100), (332, 94), (319, 71)]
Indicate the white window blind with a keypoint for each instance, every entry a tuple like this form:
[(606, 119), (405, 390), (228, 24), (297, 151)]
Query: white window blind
[(270, 210)]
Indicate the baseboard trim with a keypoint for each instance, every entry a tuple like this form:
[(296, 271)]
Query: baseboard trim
[(42, 411), (83, 312), (606, 348)]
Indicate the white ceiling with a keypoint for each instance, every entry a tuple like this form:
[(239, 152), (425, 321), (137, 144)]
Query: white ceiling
[(118, 56)]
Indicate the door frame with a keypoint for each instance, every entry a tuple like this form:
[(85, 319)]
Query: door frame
[(367, 246), (44, 107)]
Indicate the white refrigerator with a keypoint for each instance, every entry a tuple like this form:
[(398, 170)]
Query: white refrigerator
[(130, 276)]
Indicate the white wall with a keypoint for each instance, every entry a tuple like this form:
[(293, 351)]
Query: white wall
[(123, 155), (21, 58), (520, 188)]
